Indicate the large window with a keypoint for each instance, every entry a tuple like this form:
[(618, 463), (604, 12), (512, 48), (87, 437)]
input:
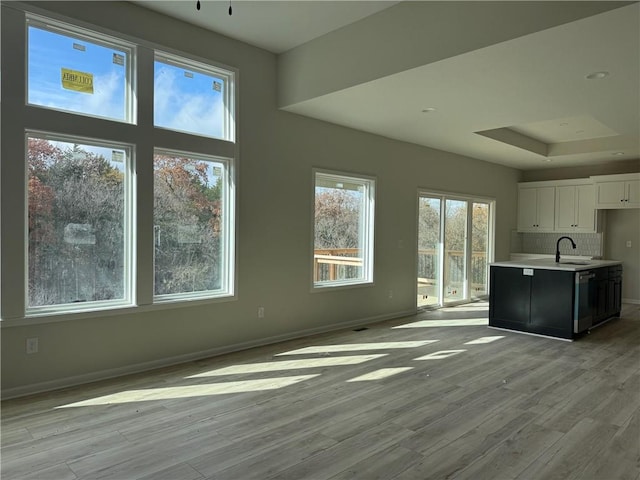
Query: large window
[(87, 229), (73, 70), (192, 225), (343, 229), (78, 223)]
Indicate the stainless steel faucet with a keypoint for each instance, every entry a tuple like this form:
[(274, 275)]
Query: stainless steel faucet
[(573, 244)]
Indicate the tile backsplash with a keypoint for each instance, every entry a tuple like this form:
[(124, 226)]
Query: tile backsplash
[(588, 244)]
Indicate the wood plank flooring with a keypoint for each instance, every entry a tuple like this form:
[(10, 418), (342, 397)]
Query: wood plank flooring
[(435, 396)]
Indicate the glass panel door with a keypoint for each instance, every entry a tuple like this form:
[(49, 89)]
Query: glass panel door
[(455, 251), (479, 249), (429, 251)]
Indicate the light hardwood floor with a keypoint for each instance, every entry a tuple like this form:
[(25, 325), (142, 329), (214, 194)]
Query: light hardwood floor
[(438, 395)]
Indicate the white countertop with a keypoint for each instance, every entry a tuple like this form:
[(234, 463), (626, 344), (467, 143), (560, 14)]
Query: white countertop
[(550, 264)]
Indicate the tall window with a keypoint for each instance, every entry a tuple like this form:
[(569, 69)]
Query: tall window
[(78, 223), (343, 229), (192, 216)]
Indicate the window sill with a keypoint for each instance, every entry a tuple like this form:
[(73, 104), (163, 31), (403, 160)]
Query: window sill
[(54, 317), (330, 287)]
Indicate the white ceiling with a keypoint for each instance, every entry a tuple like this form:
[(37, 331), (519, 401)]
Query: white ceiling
[(524, 102)]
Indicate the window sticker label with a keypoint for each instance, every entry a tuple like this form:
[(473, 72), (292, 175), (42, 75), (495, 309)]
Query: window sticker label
[(118, 59), (188, 74), (217, 86), (77, 81), (78, 46), (117, 156)]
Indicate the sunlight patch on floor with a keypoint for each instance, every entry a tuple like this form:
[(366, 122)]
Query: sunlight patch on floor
[(379, 374), (188, 391), (352, 347), (480, 340), (452, 322), (440, 355), (289, 365)]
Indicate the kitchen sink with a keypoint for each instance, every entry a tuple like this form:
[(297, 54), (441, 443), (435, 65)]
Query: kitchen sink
[(575, 262)]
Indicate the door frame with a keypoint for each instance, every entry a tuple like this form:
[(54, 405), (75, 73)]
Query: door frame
[(443, 196)]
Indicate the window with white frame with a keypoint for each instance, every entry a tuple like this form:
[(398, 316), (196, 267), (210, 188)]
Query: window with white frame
[(193, 208), (192, 97), (81, 241), (74, 70), (343, 229), (79, 228)]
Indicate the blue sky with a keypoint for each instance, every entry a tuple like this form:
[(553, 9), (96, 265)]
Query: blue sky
[(184, 100)]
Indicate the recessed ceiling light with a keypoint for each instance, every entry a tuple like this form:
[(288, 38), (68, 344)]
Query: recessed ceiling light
[(564, 124), (597, 75), (428, 110), (547, 160), (618, 153)]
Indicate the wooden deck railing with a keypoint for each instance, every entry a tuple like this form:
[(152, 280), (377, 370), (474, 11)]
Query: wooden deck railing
[(333, 258), (331, 264)]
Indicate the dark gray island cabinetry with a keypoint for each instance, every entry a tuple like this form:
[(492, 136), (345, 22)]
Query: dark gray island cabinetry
[(554, 298)]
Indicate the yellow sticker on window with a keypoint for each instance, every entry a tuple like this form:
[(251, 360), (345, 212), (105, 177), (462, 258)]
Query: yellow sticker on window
[(78, 81)]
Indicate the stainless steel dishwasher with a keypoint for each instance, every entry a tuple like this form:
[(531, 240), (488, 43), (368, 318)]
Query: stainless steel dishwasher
[(584, 301)]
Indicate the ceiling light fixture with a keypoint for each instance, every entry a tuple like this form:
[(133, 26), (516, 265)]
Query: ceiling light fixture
[(597, 75), (618, 153), (428, 110)]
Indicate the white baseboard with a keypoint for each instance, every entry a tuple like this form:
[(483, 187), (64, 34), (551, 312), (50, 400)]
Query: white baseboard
[(75, 380), (633, 301)]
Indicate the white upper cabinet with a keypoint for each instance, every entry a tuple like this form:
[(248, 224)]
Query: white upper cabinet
[(617, 191), (575, 208), (536, 208)]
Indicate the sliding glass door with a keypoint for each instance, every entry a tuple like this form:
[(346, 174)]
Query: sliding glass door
[(429, 251), (454, 248)]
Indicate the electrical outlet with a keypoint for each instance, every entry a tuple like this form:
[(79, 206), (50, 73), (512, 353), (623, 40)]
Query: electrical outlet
[(628, 243), (390, 293), (32, 345), (260, 312)]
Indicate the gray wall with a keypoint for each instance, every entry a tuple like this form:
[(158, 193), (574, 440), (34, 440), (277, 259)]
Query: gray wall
[(624, 226), (277, 153)]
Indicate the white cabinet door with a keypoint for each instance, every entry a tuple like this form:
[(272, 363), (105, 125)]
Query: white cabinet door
[(546, 203), (575, 209), (611, 194), (536, 209), (565, 208), (527, 209), (633, 193), (585, 209)]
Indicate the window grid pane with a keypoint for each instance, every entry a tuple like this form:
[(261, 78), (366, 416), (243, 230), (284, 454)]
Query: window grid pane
[(191, 97), (77, 228), (75, 73), (191, 210)]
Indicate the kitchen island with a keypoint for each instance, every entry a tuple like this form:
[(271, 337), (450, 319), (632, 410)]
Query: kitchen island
[(561, 299)]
